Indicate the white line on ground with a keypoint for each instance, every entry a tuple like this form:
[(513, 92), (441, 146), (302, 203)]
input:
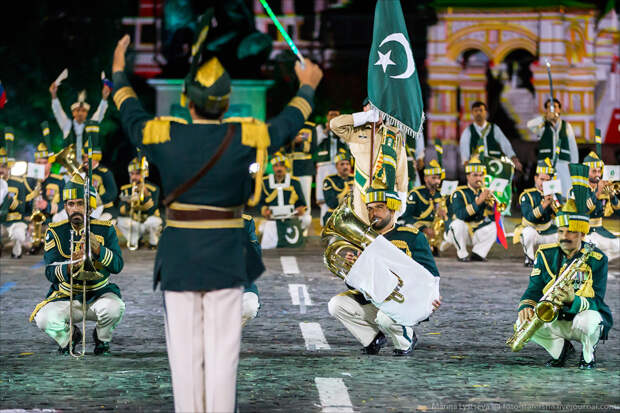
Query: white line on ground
[(314, 337), (289, 265), (294, 291), (333, 394)]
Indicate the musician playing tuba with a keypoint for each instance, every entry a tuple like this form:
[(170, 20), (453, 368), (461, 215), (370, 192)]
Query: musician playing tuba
[(426, 207), (103, 298), (537, 214), (139, 207), (583, 315), (370, 325)]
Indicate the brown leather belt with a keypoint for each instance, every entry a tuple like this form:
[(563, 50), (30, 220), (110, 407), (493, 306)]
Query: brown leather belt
[(202, 214)]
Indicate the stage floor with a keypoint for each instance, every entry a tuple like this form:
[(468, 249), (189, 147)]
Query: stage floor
[(296, 357)]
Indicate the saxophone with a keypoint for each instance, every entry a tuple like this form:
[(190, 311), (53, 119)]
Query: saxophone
[(37, 218), (438, 225), (135, 213), (546, 311)]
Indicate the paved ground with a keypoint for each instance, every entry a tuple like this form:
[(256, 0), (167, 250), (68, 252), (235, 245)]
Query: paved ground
[(461, 362)]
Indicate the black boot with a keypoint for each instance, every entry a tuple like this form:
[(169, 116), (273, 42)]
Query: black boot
[(375, 345), (528, 262), (101, 347), (409, 351), (77, 337), (476, 257), (567, 350), (587, 366)]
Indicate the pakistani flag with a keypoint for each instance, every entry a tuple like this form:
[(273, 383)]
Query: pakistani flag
[(393, 85), (290, 234), (500, 174)]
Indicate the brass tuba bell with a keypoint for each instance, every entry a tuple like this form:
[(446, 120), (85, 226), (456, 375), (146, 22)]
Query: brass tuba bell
[(343, 231), (68, 159)]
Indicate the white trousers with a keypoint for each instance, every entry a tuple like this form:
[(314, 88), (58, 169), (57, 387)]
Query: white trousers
[(107, 311), (203, 336), (134, 229), (584, 328), (269, 231), (610, 246), (17, 235), (249, 308), (482, 240), (531, 239), (365, 322)]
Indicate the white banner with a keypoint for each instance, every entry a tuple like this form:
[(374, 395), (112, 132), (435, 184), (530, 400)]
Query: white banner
[(447, 187), (380, 269), (552, 187), (611, 173)]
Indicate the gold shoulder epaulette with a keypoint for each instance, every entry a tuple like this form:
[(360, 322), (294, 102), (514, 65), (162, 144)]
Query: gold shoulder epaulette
[(151, 187), (407, 229), (596, 255), (294, 178), (547, 246), (57, 176), (126, 186), (246, 217), (101, 222), (254, 132), (309, 123), (462, 187), (239, 119), (102, 169), (417, 188), (59, 223), (529, 190), (157, 130)]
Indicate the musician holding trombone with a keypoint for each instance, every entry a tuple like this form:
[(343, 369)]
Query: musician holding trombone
[(582, 314), (64, 259)]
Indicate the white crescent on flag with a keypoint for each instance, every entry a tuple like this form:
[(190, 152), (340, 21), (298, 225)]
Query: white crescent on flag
[(400, 38)]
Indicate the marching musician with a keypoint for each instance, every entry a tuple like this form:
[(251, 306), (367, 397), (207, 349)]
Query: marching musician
[(365, 132), (202, 284), (336, 186), (14, 221), (73, 129), (103, 298), (369, 325), (255, 267), (602, 203), (537, 214), (425, 203), (556, 140), (283, 206), (139, 207), (103, 180), (583, 315), (301, 153), (471, 210), (485, 139), (328, 146)]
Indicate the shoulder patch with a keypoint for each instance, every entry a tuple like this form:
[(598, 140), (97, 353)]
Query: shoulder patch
[(597, 255), (102, 169), (56, 176), (100, 222), (126, 186), (151, 187), (254, 132), (156, 131), (58, 224), (407, 229), (547, 246), (172, 119), (247, 217)]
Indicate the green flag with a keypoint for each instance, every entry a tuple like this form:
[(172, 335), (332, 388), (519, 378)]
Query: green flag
[(290, 234), (498, 170), (393, 85)]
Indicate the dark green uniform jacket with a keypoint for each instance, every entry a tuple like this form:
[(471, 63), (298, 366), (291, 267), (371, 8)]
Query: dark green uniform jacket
[(254, 263), (420, 210), (463, 206), (545, 147), (492, 148), (149, 205), (105, 184), (533, 214), (590, 284), (335, 188), (16, 200), (198, 257), (57, 249), (600, 208)]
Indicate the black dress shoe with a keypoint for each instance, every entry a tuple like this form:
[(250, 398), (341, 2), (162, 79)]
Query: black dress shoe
[(466, 259), (409, 351), (435, 252), (152, 247), (17, 257), (34, 250), (77, 337), (476, 257), (101, 347), (375, 345), (528, 262), (587, 366), (567, 350)]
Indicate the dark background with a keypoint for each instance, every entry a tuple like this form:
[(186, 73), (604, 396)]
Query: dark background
[(41, 38)]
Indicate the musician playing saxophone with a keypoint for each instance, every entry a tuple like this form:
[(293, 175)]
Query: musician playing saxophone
[(369, 325), (583, 315), (145, 198), (424, 204), (103, 298)]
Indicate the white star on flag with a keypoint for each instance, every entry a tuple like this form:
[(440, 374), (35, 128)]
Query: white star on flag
[(384, 60)]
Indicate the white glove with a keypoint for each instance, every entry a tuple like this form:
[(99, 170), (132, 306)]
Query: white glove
[(370, 116)]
